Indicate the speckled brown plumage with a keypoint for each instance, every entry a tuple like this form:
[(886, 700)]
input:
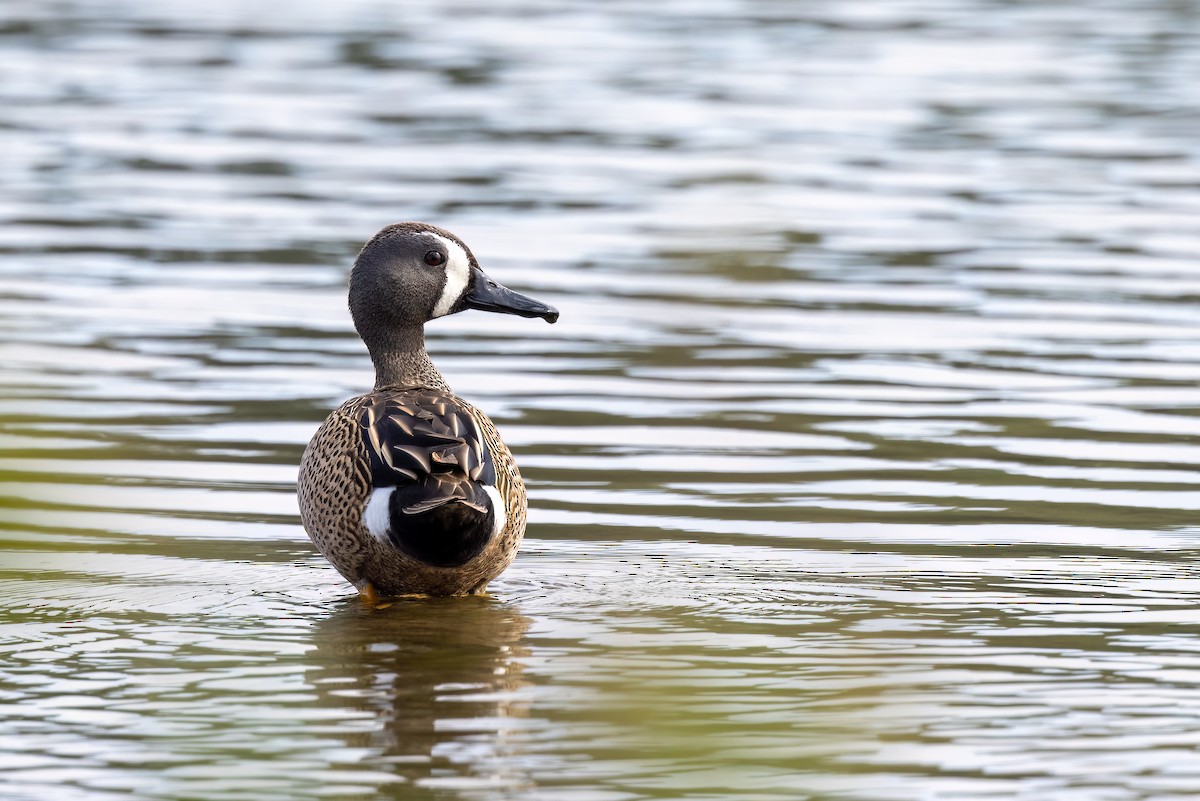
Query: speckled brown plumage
[(399, 488), (335, 483)]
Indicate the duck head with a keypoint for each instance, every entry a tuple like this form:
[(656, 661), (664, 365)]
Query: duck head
[(410, 273)]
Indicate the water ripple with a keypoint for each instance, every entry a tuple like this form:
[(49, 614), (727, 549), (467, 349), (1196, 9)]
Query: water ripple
[(860, 461)]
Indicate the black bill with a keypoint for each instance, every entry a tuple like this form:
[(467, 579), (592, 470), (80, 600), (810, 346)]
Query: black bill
[(486, 295)]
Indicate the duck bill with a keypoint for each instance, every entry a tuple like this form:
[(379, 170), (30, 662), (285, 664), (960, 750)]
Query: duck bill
[(487, 295)]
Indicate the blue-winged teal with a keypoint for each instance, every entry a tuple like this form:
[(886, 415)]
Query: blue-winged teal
[(409, 489)]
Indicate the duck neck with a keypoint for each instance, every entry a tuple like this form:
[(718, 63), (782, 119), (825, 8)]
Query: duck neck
[(403, 362)]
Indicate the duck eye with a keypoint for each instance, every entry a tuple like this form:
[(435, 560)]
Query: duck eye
[(434, 257)]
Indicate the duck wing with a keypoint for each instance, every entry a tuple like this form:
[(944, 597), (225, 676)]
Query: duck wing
[(431, 471)]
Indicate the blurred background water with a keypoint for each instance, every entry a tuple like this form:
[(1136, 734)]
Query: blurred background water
[(862, 462)]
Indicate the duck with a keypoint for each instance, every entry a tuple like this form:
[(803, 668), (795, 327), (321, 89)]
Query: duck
[(408, 489)]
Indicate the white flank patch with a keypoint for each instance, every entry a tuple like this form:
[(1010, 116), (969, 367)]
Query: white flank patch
[(458, 275), (376, 517), (497, 508)]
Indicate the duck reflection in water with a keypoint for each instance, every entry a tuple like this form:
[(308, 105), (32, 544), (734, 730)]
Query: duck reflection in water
[(438, 677)]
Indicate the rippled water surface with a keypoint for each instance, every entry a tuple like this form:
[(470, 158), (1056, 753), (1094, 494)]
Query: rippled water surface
[(862, 463)]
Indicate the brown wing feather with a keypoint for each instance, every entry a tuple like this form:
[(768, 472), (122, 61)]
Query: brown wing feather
[(411, 434), (508, 478)]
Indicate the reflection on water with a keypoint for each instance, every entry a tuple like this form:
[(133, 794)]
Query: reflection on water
[(862, 460), (436, 684)]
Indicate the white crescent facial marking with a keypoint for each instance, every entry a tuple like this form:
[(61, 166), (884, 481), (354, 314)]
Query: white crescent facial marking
[(458, 275), (377, 515), (497, 508)]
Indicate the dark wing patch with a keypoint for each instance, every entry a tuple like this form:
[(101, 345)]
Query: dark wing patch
[(428, 446), (417, 434)]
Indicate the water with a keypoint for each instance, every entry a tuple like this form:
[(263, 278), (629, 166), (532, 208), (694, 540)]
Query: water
[(862, 462)]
